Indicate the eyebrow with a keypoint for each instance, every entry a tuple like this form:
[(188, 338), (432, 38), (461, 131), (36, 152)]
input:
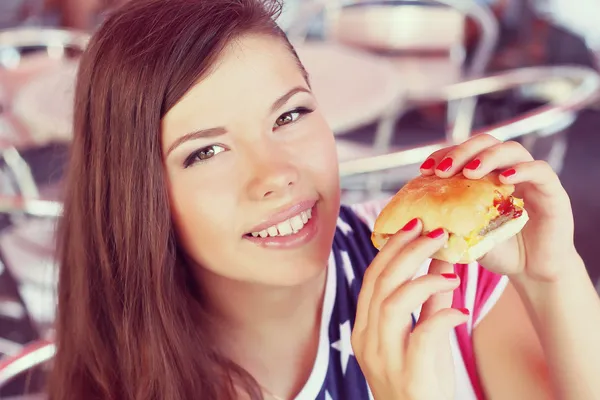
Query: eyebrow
[(218, 131), (284, 99)]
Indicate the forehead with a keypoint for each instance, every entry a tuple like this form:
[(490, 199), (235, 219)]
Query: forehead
[(251, 72)]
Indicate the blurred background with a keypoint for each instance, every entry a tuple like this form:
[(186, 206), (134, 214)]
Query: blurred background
[(395, 79)]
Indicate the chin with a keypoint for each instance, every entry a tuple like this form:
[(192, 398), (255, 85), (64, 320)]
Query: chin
[(293, 270)]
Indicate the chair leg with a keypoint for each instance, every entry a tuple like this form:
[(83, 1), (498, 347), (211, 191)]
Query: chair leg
[(21, 172)]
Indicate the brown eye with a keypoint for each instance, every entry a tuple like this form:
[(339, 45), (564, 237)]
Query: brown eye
[(206, 154), (203, 154), (287, 118), (291, 116)]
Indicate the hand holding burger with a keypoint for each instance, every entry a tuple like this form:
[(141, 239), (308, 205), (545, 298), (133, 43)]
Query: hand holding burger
[(498, 205)]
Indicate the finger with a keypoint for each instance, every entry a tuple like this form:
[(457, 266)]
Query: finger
[(430, 337), (401, 239), (403, 268), (395, 323), (500, 156), (433, 160), (455, 160), (440, 300), (544, 192), (538, 173)]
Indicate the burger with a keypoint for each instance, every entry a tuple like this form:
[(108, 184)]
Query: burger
[(476, 213)]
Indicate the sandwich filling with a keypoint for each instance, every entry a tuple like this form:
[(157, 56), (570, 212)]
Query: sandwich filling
[(504, 209)]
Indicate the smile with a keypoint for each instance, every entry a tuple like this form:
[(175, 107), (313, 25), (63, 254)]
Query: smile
[(288, 227)]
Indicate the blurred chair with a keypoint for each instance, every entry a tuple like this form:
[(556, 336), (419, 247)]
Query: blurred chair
[(37, 75), (31, 357), (403, 165), (399, 31)]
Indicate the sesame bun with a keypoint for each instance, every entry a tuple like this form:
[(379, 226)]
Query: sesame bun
[(468, 209)]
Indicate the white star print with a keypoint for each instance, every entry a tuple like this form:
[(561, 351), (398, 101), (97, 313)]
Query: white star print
[(328, 396), (347, 265), (344, 346), (344, 227)]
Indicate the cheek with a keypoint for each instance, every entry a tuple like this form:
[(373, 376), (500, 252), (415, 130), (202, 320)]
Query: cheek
[(320, 155), (201, 214)]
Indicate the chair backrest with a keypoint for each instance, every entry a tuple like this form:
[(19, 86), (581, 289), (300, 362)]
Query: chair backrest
[(542, 118), (31, 356)]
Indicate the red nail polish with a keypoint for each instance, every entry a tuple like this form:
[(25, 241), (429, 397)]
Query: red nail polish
[(445, 165), (508, 172), (410, 225), (428, 164), (464, 311), (439, 232), (473, 165), (450, 276)]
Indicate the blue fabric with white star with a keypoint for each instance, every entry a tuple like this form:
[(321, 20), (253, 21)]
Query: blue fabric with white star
[(353, 253)]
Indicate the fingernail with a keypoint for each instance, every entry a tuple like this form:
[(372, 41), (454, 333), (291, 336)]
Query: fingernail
[(508, 173), (473, 165), (428, 164), (445, 165), (450, 276), (464, 311), (439, 232), (410, 225)]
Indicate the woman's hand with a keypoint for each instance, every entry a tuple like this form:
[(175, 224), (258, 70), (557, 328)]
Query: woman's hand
[(544, 248), (397, 363)]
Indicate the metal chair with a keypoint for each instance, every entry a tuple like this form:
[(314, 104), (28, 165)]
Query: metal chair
[(397, 29), (31, 356), (584, 93), (30, 58)]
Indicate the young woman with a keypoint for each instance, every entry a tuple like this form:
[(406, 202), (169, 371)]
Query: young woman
[(204, 253)]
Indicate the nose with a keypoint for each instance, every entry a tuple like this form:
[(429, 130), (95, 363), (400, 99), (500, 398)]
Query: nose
[(272, 177)]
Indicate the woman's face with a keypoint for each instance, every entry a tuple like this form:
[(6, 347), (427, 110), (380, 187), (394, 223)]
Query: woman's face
[(252, 168)]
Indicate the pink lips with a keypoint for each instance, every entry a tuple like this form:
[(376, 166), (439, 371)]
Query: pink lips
[(284, 215)]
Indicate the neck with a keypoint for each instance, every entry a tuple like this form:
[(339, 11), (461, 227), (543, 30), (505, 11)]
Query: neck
[(283, 322), (244, 306)]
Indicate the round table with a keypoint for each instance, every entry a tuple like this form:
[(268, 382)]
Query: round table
[(354, 88)]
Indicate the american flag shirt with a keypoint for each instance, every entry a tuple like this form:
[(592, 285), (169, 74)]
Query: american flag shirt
[(336, 374)]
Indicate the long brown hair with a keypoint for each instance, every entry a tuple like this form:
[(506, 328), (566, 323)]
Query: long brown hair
[(129, 325)]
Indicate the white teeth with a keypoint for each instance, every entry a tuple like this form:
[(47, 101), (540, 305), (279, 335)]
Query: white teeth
[(304, 217), (285, 228), (297, 223), (288, 227)]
